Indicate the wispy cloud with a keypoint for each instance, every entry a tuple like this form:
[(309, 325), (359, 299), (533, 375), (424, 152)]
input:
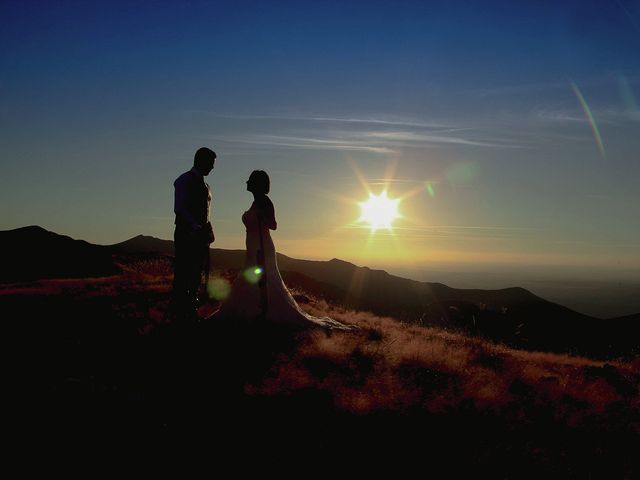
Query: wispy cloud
[(440, 138), (379, 140), (539, 125), (306, 143), (559, 116), (605, 114), (317, 118), (614, 114)]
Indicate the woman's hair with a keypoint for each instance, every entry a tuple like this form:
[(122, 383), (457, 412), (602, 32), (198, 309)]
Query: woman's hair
[(259, 182)]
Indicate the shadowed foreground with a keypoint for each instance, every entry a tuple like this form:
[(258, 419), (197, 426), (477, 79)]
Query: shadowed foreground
[(101, 368)]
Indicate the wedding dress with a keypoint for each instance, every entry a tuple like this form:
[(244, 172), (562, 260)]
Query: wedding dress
[(250, 300)]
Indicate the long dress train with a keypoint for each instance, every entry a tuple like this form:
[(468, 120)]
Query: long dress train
[(246, 302)]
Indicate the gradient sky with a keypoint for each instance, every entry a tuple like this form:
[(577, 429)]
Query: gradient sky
[(514, 125)]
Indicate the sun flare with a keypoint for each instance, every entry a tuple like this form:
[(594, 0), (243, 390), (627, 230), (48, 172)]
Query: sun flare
[(379, 211)]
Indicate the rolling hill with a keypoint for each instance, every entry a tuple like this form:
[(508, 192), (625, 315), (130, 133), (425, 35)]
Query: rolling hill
[(32, 252), (512, 315)]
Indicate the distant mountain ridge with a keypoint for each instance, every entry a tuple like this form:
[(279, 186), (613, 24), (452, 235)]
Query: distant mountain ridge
[(32, 252), (144, 244), (514, 315), (356, 283)]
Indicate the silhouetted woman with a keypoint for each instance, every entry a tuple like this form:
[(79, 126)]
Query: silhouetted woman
[(259, 293)]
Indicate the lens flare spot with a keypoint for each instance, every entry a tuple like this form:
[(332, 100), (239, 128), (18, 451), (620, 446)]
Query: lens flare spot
[(430, 190), (252, 274), (218, 288), (592, 122)]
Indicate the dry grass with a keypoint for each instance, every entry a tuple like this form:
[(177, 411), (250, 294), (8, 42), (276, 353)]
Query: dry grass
[(388, 365), (384, 368)]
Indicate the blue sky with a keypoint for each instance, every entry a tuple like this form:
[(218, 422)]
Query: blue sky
[(103, 104)]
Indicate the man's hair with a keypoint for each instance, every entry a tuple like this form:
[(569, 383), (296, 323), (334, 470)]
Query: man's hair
[(204, 157), (260, 181)]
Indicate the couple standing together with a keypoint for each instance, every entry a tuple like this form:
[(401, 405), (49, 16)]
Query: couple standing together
[(267, 299)]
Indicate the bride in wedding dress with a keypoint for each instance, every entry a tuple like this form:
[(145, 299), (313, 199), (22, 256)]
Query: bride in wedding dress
[(258, 293)]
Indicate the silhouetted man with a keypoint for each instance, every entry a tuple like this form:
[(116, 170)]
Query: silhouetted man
[(193, 233)]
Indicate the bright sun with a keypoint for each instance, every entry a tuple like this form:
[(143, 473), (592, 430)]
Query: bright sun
[(379, 211)]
